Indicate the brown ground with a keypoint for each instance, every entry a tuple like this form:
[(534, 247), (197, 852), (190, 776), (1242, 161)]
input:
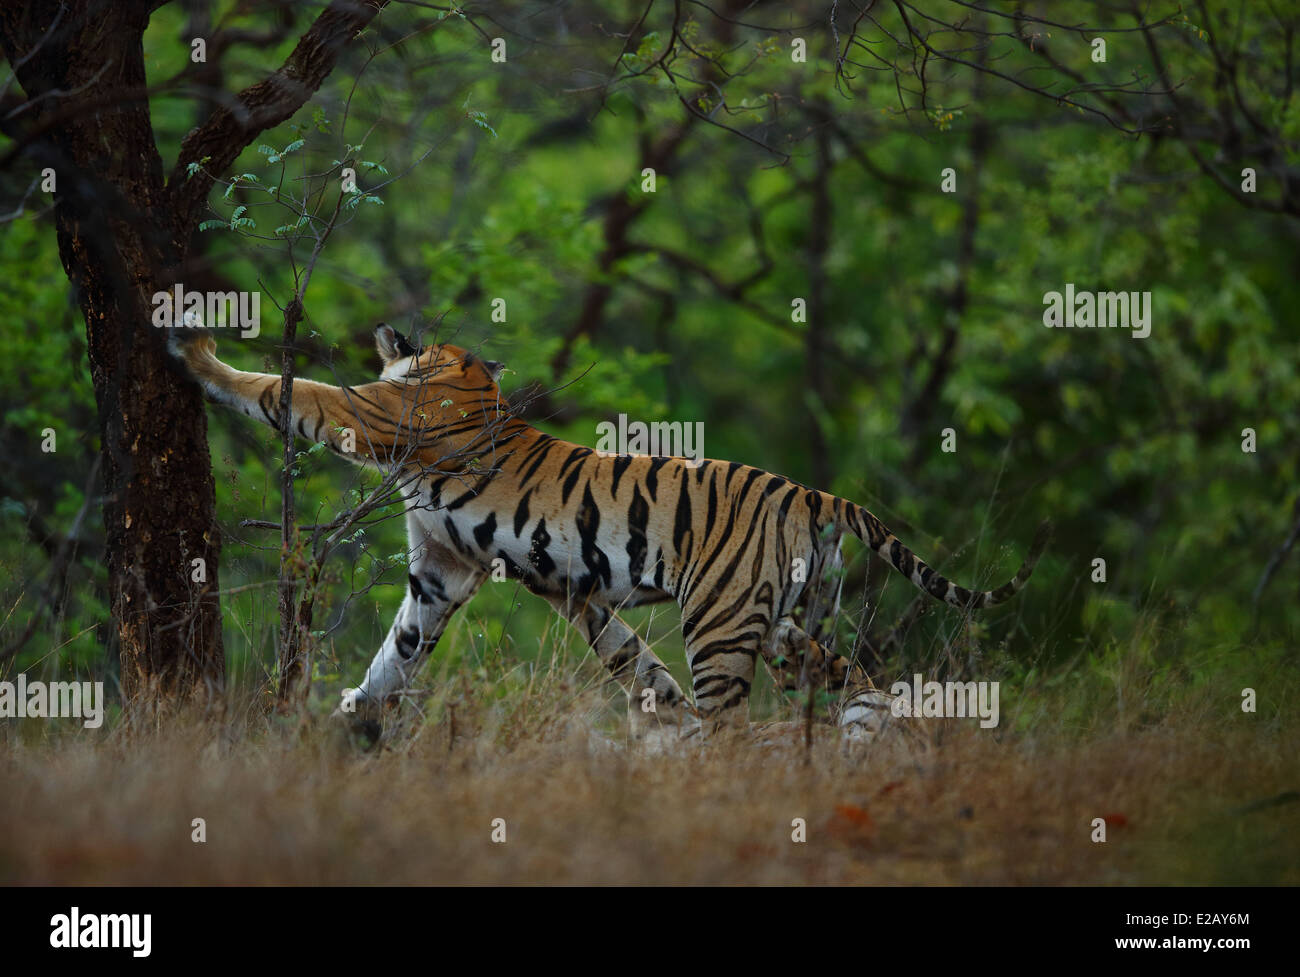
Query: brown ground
[(1185, 801)]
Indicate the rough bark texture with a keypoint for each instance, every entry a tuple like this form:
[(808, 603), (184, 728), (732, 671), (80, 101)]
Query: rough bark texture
[(123, 234), (116, 243)]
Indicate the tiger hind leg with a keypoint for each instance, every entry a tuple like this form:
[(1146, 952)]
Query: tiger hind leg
[(657, 707), (798, 662), (722, 675)]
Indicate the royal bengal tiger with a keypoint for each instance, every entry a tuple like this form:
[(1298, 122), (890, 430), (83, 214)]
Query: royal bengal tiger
[(592, 534)]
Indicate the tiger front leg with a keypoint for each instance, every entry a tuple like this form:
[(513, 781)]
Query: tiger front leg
[(337, 416), (437, 586)]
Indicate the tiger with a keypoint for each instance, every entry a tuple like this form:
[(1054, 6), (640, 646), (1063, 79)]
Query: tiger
[(593, 533)]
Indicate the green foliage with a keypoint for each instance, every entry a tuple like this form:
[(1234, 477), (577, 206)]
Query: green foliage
[(1132, 446)]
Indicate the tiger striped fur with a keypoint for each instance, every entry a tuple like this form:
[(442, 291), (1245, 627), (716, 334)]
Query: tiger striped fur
[(593, 534)]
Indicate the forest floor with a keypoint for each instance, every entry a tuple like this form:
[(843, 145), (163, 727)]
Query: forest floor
[(1183, 800)]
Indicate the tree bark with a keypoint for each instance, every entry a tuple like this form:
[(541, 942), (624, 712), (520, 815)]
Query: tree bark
[(123, 235), (117, 244)]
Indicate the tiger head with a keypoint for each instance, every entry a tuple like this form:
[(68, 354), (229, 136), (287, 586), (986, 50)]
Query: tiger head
[(441, 363)]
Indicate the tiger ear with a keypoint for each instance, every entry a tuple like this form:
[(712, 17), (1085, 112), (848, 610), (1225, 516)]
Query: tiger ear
[(494, 369), (392, 345)]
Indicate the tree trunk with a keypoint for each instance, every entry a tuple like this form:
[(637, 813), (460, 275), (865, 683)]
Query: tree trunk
[(119, 244), (123, 236)]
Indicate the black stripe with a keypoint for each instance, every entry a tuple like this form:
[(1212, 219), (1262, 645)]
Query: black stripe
[(787, 501), (427, 589), (569, 484), (521, 514), (732, 468), (682, 524), (577, 454), (485, 530), (652, 476), (454, 534), (597, 563), (537, 555), (638, 514), (541, 457), (408, 643), (713, 507), (620, 466)]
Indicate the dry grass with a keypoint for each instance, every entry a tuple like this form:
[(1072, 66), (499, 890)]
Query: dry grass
[(976, 807)]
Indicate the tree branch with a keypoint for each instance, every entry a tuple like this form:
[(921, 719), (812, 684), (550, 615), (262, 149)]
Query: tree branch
[(265, 105)]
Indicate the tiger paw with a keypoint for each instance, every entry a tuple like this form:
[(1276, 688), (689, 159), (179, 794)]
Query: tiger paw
[(353, 723), (191, 339)]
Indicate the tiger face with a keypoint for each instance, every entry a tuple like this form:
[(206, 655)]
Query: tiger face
[(441, 363)]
